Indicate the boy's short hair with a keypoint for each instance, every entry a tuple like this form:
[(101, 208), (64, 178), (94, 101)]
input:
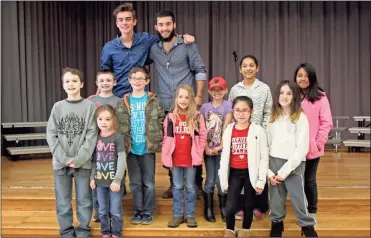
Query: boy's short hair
[(126, 7), (166, 14), (106, 72), (73, 71), (139, 69)]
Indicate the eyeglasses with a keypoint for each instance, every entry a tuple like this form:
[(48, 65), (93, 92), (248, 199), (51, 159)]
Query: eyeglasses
[(243, 112), (137, 79)]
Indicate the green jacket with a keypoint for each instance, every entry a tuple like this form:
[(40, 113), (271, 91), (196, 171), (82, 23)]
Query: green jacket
[(155, 116)]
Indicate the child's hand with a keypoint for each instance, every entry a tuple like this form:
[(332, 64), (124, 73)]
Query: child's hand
[(71, 164), (92, 184), (259, 190), (208, 151), (279, 178), (217, 149), (115, 187), (274, 181)]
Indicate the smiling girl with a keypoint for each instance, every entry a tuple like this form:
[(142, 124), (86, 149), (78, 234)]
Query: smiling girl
[(183, 146), (288, 139)]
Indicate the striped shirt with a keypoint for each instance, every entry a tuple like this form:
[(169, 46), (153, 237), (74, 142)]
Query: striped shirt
[(261, 96)]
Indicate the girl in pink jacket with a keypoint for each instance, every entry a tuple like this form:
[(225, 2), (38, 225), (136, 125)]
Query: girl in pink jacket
[(183, 146), (317, 109)]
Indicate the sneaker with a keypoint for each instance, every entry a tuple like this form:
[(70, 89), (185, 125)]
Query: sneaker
[(96, 217), (239, 215), (115, 236), (147, 219), (136, 219), (175, 222), (106, 236), (191, 222)]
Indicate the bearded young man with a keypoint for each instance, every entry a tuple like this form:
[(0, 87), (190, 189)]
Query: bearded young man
[(129, 49), (176, 63)]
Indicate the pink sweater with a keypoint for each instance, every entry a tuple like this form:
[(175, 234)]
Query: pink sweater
[(198, 142), (320, 124)]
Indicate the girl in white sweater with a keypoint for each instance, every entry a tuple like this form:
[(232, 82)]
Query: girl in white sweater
[(288, 139), (243, 164)]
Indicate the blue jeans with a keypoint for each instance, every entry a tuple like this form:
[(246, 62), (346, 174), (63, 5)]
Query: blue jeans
[(141, 170), (63, 196), (110, 203), (179, 175), (95, 199), (212, 177)]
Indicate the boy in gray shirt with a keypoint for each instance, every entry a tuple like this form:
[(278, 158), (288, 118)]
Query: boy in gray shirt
[(105, 83), (72, 136)]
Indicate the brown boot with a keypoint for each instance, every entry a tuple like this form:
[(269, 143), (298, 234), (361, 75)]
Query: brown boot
[(168, 193), (243, 233), (175, 222), (191, 222), (229, 233)]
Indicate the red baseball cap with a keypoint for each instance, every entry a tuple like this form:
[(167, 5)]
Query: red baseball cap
[(217, 82)]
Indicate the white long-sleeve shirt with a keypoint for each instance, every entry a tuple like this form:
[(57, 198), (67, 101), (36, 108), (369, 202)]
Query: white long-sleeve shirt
[(289, 141)]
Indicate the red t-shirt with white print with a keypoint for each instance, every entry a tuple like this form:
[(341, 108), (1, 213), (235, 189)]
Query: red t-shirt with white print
[(239, 148), (183, 143)]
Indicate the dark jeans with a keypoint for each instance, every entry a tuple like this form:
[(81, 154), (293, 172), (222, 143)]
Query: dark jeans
[(141, 170), (310, 184), (212, 164), (238, 179), (63, 195), (110, 209), (95, 199)]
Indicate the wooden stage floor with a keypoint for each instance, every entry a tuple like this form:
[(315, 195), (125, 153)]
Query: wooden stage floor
[(28, 203)]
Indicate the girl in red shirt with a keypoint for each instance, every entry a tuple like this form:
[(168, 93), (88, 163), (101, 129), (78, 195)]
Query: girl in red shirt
[(243, 164), (183, 146)]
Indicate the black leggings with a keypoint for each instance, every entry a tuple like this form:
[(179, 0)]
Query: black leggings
[(238, 179), (260, 201), (310, 184)]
